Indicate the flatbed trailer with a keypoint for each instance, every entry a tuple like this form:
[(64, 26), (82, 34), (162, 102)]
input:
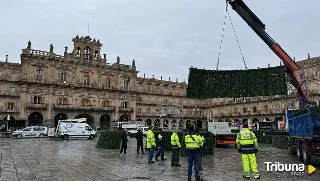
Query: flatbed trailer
[(266, 133), (222, 132), (225, 139)]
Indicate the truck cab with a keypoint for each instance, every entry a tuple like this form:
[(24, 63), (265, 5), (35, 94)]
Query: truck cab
[(144, 129)]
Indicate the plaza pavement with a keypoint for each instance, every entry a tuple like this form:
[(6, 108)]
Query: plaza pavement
[(79, 160)]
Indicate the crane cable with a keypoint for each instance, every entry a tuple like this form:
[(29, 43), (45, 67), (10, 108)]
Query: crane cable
[(235, 34), (222, 36)]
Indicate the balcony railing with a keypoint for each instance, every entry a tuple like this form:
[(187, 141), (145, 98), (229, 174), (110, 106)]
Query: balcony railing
[(125, 109), (9, 93), (105, 108), (6, 110), (83, 107), (37, 106)]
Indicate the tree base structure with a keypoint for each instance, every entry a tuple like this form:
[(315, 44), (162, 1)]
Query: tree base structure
[(109, 140)]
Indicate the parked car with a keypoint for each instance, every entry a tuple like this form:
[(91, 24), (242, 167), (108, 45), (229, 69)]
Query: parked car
[(31, 131)]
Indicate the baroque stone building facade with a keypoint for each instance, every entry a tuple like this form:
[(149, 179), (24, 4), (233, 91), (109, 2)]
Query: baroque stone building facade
[(46, 87)]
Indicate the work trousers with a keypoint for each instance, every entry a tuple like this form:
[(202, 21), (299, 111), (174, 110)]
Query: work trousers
[(247, 161), (160, 153), (150, 154), (175, 156), (200, 157), (140, 146), (193, 160), (123, 148)]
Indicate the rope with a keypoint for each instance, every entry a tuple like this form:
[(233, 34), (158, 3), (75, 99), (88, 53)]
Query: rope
[(235, 34), (222, 36)]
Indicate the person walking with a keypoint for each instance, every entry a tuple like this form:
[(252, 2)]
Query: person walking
[(193, 143), (151, 144), (175, 144), (139, 137), (247, 145), (124, 141), (197, 131), (160, 147)]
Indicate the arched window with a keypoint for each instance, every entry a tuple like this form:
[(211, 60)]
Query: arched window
[(96, 54), (108, 82), (78, 52)]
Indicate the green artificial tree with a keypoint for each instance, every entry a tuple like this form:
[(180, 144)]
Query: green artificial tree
[(236, 83)]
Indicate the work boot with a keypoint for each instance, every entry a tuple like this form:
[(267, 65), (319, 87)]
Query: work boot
[(178, 165), (258, 177), (199, 179), (138, 153), (173, 164), (189, 179), (163, 159), (143, 153), (246, 177), (151, 162), (157, 159), (200, 168)]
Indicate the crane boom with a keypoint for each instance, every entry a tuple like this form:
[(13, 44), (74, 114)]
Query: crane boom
[(259, 28)]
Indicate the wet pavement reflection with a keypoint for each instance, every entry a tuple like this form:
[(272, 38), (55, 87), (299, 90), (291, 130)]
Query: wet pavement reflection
[(80, 160)]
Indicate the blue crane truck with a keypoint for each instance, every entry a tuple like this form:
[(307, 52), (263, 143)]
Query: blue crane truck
[(303, 122), (304, 132)]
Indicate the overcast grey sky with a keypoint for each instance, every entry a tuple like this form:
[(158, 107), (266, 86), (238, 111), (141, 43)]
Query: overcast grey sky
[(164, 37)]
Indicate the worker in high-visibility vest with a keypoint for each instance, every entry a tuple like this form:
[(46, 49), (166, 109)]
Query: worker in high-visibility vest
[(193, 143), (151, 144), (160, 146), (197, 131), (175, 144), (247, 145)]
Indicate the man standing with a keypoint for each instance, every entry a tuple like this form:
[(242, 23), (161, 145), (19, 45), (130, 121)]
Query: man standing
[(193, 143), (161, 146), (201, 147), (175, 143), (247, 145), (139, 137), (151, 144), (124, 141)]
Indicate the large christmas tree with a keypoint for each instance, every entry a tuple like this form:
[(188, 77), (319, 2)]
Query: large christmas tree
[(236, 83)]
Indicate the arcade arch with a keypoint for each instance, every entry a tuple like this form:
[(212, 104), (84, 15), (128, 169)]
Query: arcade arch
[(59, 116), (35, 118), (105, 122), (89, 118)]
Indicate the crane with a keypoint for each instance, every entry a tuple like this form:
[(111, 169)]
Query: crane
[(259, 28)]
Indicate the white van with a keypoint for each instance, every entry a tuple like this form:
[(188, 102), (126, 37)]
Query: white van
[(74, 128), (31, 131)]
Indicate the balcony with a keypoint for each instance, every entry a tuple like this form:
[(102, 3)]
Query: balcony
[(147, 102), (6, 110), (104, 108), (125, 109), (9, 93), (64, 106), (83, 107), (147, 114), (37, 106)]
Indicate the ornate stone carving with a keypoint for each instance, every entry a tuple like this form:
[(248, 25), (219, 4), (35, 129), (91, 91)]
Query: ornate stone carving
[(39, 64)]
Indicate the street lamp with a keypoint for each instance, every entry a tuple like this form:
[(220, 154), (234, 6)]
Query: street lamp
[(196, 110)]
